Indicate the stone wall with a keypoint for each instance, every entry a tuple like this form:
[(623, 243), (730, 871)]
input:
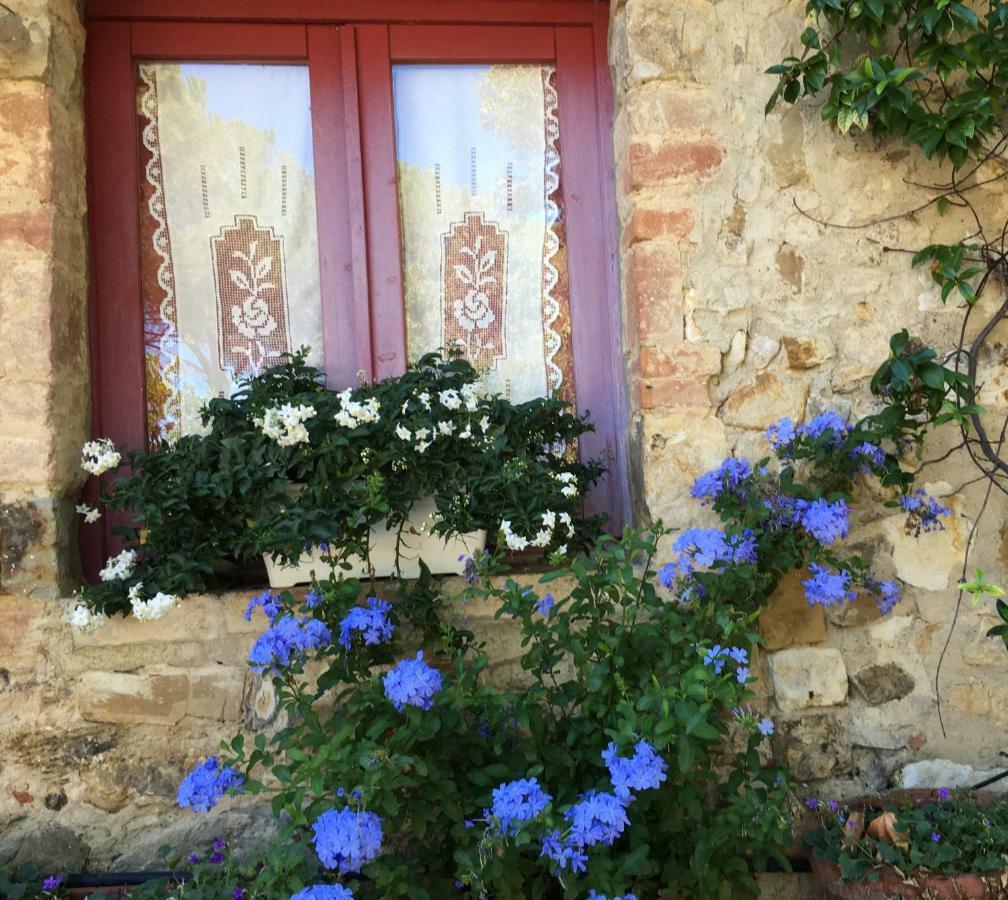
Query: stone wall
[(738, 309)]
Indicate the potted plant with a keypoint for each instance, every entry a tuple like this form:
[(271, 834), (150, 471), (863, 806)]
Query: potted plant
[(912, 844)]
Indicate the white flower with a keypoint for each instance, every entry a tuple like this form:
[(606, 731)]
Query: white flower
[(99, 456), (466, 434), (562, 549), (569, 482), (420, 446), (565, 519), (424, 399), (470, 397), (351, 413), (514, 541), (542, 538), (134, 592), (83, 619), (91, 515), (446, 428), (421, 434), (549, 519), (450, 399), (155, 608), (484, 424), (402, 433), (285, 424), (120, 566), (404, 405)]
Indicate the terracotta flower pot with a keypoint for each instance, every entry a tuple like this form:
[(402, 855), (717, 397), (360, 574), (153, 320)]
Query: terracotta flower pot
[(891, 884)]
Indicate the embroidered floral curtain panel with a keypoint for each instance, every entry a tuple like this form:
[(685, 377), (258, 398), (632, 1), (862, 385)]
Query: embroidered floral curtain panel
[(483, 237), (229, 245)]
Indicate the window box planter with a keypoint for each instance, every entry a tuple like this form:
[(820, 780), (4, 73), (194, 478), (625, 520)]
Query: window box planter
[(441, 557), (892, 883)]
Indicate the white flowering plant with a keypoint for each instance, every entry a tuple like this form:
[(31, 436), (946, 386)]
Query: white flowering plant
[(286, 465)]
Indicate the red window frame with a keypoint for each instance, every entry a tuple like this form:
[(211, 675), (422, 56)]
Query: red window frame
[(350, 57)]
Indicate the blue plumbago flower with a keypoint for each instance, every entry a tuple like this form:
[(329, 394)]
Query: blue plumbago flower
[(518, 802), (206, 784), (597, 818), (826, 522), (782, 434), (826, 588), (742, 674), (707, 546), (717, 655), (563, 853), (323, 892), (595, 895), (924, 513), (641, 772), (412, 682), (371, 621), (726, 477), (739, 655), (312, 599), (870, 454), (830, 423), (346, 839), (668, 575), (269, 602), (713, 657), (783, 510), (887, 594), (544, 606), (765, 726), (288, 640)]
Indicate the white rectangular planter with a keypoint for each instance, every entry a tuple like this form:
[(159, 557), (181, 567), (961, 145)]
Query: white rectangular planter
[(441, 557)]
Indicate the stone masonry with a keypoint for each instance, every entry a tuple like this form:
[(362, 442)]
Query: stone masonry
[(738, 309)]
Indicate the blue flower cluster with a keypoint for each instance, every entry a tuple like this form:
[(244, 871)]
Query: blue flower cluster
[(312, 599), (517, 802), (826, 588), (872, 454), (543, 606), (412, 683), (371, 621), (270, 604), (345, 839), (705, 547), (641, 772), (726, 477), (826, 522), (287, 640), (323, 892), (887, 594), (783, 433), (717, 656), (597, 818), (924, 513), (206, 784), (595, 895)]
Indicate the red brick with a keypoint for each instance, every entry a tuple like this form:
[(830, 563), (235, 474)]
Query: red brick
[(647, 165), (33, 228), (653, 290), (680, 361), (645, 224), (656, 393)]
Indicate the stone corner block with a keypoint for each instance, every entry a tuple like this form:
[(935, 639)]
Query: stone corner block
[(807, 677)]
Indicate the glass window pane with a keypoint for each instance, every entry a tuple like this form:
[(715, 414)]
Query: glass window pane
[(481, 200), (229, 247)]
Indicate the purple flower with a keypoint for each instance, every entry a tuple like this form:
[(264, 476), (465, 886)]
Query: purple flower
[(216, 858), (516, 803), (833, 806), (219, 843), (346, 839), (826, 588), (944, 793), (52, 882), (239, 894), (192, 858), (812, 803), (286, 641), (206, 784), (726, 477), (935, 836), (269, 602), (412, 683), (643, 771), (371, 621), (544, 606), (826, 522)]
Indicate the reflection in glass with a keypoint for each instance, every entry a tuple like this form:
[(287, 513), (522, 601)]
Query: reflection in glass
[(229, 248), (484, 251)]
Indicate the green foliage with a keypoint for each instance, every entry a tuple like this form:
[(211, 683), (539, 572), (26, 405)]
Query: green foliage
[(939, 836), (206, 504), (932, 71)]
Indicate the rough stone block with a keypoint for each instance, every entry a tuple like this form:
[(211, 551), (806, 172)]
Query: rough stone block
[(152, 698), (883, 683), (788, 619), (215, 692), (763, 401), (929, 560), (806, 677), (812, 747)]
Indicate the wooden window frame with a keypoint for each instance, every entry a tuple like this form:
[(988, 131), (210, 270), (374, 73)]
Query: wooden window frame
[(349, 47)]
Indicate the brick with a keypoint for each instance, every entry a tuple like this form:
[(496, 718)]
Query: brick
[(653, 291), (149, 698), (692, 359), (788, 619), (665, 393), (807, 677), (215, 692), (646, 224), (648, 166), (32, 227)]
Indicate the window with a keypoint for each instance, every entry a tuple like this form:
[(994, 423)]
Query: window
[(369, 190)]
